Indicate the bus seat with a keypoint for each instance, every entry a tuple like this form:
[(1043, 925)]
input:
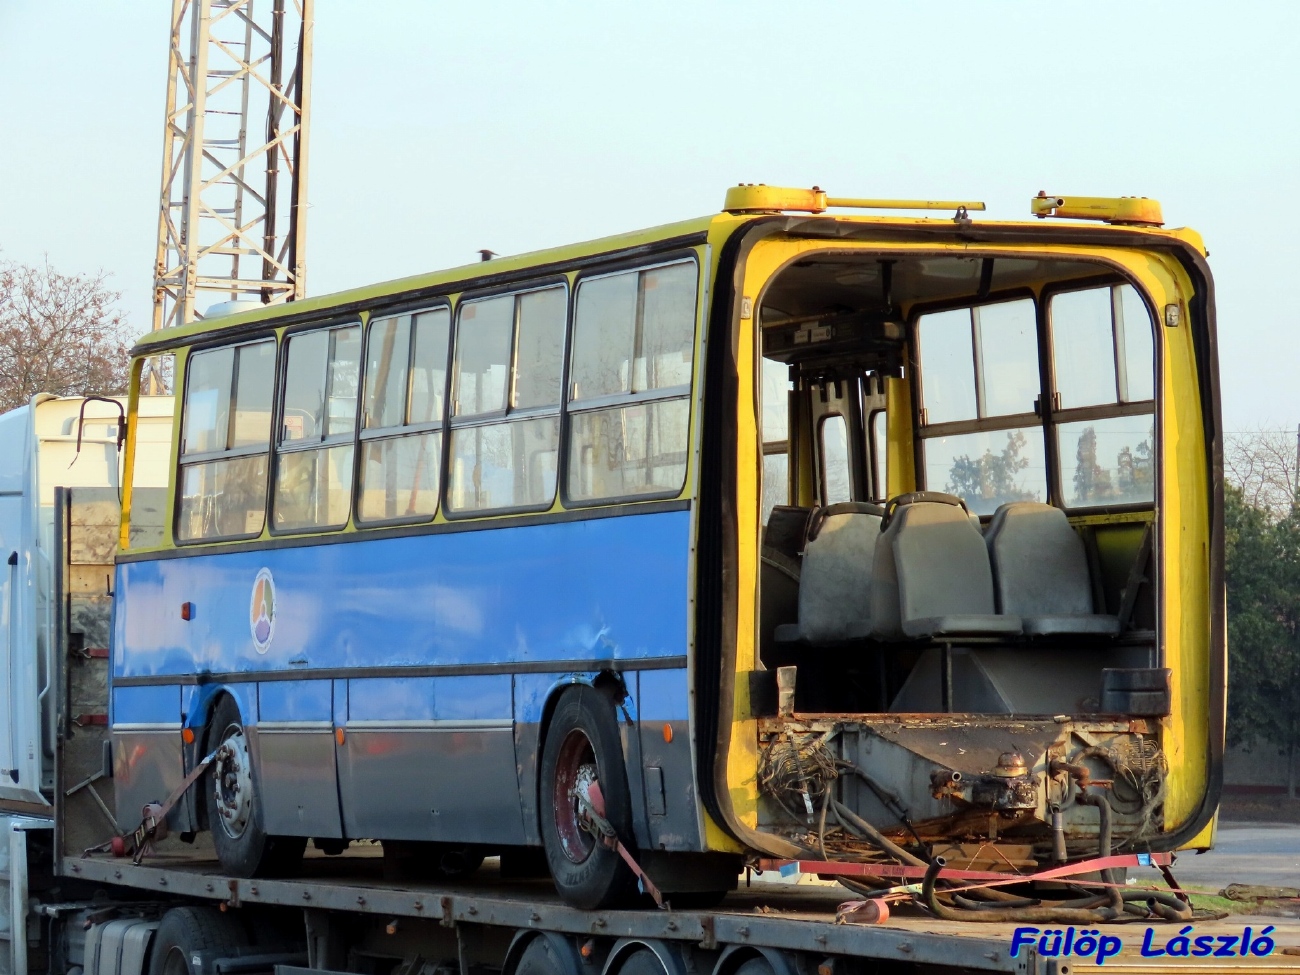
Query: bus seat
[(931, 576), (1040, 572), (835, 579)]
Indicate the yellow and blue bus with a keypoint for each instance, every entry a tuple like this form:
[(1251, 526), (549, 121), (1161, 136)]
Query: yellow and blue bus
[(794, 531)]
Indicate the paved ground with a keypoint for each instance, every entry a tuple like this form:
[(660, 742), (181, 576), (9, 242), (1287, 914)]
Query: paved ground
[(1245, 853)]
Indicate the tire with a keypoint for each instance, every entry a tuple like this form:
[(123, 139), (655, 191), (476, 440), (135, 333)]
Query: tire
[(582, 745), (234, 809), (185, 930), (755, 966), (643, 961), (541, 958)]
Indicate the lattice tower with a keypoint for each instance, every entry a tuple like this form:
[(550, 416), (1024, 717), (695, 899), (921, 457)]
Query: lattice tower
[(232, 219)]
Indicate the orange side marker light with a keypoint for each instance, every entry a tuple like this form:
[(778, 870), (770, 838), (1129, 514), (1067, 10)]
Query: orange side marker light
[(668, 732)]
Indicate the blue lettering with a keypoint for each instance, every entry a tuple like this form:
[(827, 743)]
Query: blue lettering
[(1108, 947), (1263, 945), (1226, 943), (1148, 950), (1022, 938), (1204, 945)]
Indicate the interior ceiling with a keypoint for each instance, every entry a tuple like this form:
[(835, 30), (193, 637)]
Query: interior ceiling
[(834, 283)]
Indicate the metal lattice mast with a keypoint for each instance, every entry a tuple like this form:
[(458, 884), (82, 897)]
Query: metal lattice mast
[(232, 218)]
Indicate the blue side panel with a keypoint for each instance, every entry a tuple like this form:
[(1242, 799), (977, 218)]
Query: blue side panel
[(147, 705), (390, 698), (664, 695), (606, 588), (303, 700)]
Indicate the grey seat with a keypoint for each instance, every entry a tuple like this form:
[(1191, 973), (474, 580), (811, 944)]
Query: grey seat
[(1040, 572), (931, 576), (835, 578)]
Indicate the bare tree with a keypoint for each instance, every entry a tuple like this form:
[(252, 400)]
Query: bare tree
[(1262, 465), (59, 333)]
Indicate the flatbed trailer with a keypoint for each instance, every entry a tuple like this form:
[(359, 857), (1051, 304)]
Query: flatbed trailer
[(349, 912)]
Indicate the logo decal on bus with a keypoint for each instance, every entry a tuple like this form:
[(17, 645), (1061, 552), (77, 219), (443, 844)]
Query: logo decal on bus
[(261, 610)]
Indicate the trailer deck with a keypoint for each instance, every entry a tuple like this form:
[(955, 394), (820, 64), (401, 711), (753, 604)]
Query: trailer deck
[(762, 914)]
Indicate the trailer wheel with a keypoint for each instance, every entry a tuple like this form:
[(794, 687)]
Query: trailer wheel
[(185, 930), (542, 957), (582, 756), (234, 808), (642, 962)]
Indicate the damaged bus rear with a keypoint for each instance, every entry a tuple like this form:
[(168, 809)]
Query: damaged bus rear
[(960, 563)]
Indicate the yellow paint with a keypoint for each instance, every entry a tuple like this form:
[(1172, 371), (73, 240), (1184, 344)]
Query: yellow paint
[(1123, 209), (1183, 546), (760, 198), (900, 458)]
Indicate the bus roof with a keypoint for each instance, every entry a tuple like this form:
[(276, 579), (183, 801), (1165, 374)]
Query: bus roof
[(716, 226)]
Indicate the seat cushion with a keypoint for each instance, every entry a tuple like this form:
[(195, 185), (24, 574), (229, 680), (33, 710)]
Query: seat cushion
[(1083, 624), (958, 624)]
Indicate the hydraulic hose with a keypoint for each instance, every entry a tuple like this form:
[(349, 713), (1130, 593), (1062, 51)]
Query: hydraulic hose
[(995, 915)]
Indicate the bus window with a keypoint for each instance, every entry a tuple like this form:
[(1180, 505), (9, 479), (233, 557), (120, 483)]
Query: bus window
[(150, 455), (224, 443), (313, 478), (633, 346), (1103, 355), (401, 426), (776, 440), (505, 427), (979, 383), (877, 429), (834, 444)]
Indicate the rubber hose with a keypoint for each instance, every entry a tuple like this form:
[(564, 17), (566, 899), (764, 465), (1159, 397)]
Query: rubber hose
[(873, 834), (1048, 915)]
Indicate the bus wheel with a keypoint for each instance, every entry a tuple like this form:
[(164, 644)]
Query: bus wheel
[(186, 930), (234, 811), (583, 758)]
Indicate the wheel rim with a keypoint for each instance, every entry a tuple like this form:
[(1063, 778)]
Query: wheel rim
[(175, 963), (232, 783), (575, 772)]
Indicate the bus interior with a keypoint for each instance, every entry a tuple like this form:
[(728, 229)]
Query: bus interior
[(959, 542)]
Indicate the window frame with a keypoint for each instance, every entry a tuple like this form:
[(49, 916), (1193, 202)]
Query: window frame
[(595, 404), (183, 460), (326, 442), (1056, 416), (509, 414), (365, 436), (1047, 417)]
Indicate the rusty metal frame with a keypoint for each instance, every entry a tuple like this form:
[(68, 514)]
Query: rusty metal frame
[(225, 227)]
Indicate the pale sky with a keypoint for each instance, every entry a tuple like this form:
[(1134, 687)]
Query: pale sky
[(441, 127)]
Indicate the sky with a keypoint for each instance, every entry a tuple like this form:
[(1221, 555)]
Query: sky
[(440, 128)]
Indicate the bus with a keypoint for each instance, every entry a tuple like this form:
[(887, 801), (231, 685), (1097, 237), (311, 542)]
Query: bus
[(798, 531)]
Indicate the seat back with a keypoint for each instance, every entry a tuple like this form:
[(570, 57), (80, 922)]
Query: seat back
[(835, 581), (930, 562), (1039, 564)]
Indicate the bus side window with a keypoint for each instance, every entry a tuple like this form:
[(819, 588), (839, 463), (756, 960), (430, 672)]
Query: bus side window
[(1104, 363), (833, 444), (313, 477), (506, 424), (402, 415), (775, 422), (225, 440), (877, 430), (630, 383), (150, 455)]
